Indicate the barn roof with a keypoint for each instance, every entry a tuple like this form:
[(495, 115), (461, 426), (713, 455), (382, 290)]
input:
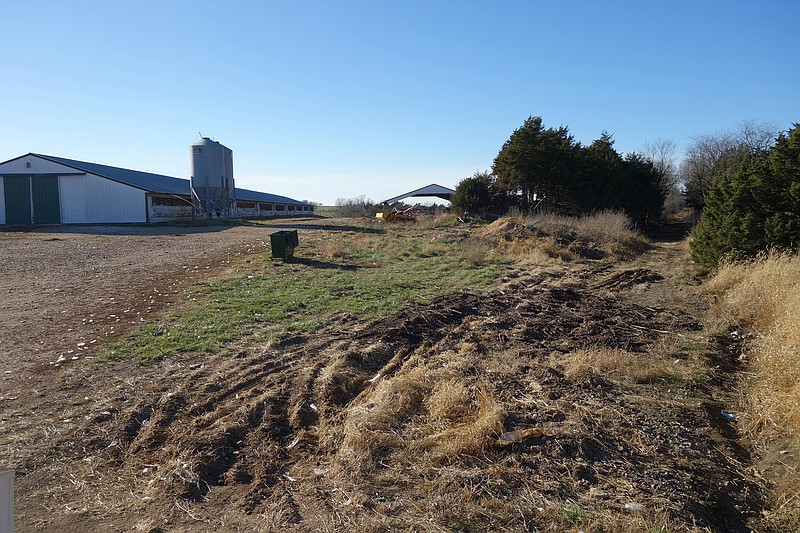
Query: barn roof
[(135, 178), (255, 196), (158, 183), (429, 190)]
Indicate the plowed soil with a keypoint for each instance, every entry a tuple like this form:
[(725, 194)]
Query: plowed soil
[(341, 430)]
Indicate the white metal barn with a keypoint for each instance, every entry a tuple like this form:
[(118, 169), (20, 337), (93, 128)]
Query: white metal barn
[(429, 190), (42, 189)]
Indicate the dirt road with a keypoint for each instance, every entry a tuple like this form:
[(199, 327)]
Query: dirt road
[(66, 288)]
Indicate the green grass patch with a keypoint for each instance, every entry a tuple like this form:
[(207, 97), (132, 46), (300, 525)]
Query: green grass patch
[(329, 211), (367, 275)]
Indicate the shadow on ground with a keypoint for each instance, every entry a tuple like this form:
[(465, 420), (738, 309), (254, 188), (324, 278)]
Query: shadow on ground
[(320, 264)]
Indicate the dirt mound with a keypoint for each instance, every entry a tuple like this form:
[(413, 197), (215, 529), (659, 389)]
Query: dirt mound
[(408, 422), (629, 278)]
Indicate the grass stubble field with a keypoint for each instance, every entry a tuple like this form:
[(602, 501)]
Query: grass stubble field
[(534, 374)]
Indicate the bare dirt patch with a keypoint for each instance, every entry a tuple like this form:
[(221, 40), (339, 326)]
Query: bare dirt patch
[(475, 412), (65, 290)]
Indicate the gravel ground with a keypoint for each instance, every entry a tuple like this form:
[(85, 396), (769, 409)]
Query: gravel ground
[(66, 289)]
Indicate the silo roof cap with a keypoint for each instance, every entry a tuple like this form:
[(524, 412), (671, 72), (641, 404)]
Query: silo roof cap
[(205, 141)]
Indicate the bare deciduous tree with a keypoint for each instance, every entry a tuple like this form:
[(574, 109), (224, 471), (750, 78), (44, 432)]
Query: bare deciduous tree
[(662, 153), (354, 207), (711, 156)]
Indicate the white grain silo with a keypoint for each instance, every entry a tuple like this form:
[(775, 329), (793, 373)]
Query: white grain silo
[(212, 177)]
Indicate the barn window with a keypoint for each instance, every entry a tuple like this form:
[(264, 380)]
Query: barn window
[(169, 201), (265, 207), (291, 208), (245, 205), (279, 207)]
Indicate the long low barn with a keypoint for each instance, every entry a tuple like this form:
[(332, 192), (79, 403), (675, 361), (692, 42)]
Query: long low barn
[(42, 189)]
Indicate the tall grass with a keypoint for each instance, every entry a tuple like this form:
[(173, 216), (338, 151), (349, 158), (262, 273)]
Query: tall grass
[(763, 297), (543, 237), (623, 366)]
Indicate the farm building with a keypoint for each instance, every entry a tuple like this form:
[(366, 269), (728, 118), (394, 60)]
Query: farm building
[(42, 189), (429, 190)]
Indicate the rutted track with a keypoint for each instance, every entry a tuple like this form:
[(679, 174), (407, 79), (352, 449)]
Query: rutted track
[(267, 438)]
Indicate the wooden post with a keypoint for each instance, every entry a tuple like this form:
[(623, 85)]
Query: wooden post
[(7, 501)]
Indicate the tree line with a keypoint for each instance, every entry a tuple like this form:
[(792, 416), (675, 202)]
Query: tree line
[(547, 169), (748, 197), (743, 186)]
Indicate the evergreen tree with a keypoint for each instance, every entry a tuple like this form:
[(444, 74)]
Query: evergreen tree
[(598, 184), (609, 181), (473, 195), (642, 190), (538, 162), (551, 171), (782, 224), (754, 206)]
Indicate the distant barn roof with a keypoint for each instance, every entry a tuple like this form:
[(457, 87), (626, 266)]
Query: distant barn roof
[(255, 196), (429, 190), (158, 183)]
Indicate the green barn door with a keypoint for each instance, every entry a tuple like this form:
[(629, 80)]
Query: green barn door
[(17, 193), (46, 206)]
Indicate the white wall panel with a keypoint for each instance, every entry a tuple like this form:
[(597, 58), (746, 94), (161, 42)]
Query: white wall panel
[(74, 207), (38, 166), (90, 199), (2, 202)]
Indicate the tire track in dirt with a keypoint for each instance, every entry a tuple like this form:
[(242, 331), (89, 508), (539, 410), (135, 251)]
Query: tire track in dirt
[(259, 436)]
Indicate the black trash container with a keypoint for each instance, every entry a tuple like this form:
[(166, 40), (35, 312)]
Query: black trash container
[(283, 243)]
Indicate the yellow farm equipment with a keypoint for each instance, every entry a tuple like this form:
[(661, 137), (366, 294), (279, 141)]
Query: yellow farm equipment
[(397, 215)]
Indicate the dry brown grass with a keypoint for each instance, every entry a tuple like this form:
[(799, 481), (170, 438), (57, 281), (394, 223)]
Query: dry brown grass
[(421, 409), (763, 297), (445, 220), (331, 249), (544, 251), (475, 250), (623, 366), (756, 294), (369, 426), (571, 517), (448, 401), (480, 419), (606, 226), (543, 237)]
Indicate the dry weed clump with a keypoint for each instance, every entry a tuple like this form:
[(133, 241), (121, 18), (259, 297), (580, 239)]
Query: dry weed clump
[(475, 250), (763, 296), (605, 226), (754, 294), (611, 232), (445, 220), (521, 239), (423, 410), (369, 428), (482, 420), (621, 365), (448, 401), (331, 249), (542, 237)]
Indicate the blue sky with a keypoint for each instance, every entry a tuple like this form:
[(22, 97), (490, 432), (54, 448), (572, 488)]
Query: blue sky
[(335, 99)]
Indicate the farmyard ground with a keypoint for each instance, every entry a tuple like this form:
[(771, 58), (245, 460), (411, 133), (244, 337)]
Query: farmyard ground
[(386, 424)]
